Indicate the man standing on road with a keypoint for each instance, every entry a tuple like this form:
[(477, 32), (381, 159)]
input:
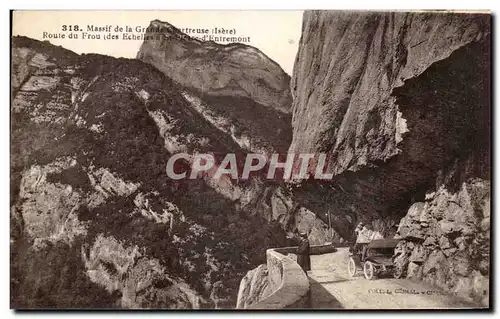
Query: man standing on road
[(303, 257)]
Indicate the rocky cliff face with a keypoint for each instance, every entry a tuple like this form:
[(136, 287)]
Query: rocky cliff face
[(346, 69), (447, 240), (96, 222), (216, 69), (345, 86), (401, 103), (252, 106)]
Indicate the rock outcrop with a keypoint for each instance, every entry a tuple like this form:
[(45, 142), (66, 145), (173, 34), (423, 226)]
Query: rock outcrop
[(214, 68), (446, 240), (141, 282), (253, 105)]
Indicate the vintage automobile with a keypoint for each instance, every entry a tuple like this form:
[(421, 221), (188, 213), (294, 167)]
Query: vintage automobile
[(373, 258)]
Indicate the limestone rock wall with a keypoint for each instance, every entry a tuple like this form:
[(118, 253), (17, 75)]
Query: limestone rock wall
[(446, 240), (216, 69), (346, 68), (235, 87), (386, 95)]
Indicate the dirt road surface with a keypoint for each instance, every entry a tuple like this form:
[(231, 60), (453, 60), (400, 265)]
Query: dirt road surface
[(332, 287)]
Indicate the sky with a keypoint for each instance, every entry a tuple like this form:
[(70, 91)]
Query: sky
[(276, 33)]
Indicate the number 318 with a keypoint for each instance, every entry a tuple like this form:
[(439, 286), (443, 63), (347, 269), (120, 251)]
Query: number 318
[(70, 27)]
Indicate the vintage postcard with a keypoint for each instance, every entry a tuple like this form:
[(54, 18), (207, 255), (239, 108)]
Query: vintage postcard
[(250, 160)]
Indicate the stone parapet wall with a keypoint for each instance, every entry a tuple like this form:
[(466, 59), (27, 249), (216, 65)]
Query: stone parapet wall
[(287, 280)]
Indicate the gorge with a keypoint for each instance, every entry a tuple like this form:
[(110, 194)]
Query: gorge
[(399, 104)]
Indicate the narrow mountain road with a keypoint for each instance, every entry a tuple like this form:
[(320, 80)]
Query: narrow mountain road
[(332, 287)]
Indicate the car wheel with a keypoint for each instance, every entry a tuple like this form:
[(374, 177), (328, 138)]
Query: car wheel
[(351, 267), (369, 270)]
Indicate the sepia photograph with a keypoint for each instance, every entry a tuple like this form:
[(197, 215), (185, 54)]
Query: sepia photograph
[(250, 160)]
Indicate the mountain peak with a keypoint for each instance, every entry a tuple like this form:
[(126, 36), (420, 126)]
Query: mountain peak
[(216, 69)]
